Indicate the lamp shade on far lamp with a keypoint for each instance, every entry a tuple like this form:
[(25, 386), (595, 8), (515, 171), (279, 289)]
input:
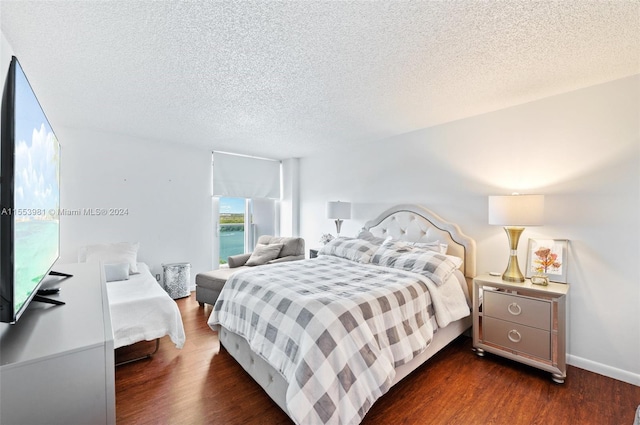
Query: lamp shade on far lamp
[(338, 211), (514, 212)]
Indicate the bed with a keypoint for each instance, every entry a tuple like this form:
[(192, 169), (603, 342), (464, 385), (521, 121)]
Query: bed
[(333, 374), (140, 309)]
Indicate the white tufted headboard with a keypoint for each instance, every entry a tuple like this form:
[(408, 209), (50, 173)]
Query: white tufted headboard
[(415, 223)]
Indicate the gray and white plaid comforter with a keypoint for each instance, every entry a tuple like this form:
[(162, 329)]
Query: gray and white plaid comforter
[(335, 330)]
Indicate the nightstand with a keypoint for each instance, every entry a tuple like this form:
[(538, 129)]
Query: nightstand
[(522, 322)]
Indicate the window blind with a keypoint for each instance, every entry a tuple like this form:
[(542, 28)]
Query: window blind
[(239, 176)]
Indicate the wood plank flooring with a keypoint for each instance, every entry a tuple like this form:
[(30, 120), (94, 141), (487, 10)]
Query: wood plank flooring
[(192, 386)]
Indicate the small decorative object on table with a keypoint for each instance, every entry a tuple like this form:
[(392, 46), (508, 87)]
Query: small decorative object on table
[(540, 279), (326, 238), (546, 261)]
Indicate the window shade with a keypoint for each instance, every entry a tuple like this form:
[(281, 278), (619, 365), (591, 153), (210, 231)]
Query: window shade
[(240, 176)]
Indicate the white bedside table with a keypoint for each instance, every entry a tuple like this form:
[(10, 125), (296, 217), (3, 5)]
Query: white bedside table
[(522, 322)]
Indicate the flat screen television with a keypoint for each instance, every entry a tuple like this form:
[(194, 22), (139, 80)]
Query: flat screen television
[(29, 196)]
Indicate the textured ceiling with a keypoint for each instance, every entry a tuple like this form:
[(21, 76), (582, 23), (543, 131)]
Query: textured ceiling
[(286, 79)]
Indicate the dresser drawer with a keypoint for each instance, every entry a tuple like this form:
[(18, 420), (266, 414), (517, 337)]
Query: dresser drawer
[(513, 336), (517, 309)]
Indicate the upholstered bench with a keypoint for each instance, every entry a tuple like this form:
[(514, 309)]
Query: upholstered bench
[(209, 284), (269, 250)]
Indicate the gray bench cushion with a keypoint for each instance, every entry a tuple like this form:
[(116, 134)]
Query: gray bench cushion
[(215, 279), (209, 284)]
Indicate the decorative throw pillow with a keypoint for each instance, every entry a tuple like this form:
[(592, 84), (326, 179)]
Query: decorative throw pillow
[(113, 272), (437, 267), (263, 253), (353, 249), (122, 252), (368, 236), (290, 246)]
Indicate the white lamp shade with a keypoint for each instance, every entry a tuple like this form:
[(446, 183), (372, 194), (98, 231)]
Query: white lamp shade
[(338, 210), (516, 210)]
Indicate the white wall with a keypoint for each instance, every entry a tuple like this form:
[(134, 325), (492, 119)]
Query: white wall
[(290, 202), (5, 56), (581, 150), (165, 188)]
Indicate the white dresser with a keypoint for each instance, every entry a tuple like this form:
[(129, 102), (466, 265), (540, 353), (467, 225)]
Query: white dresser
[(522, 322), (57, 362)]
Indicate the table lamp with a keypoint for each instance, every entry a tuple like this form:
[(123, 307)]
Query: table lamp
[(338, 211), (514, 212)]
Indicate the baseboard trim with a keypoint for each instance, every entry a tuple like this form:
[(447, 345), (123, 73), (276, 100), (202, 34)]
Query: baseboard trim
[(602, 369)]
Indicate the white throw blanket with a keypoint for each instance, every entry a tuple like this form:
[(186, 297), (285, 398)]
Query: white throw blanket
[(142, 311)]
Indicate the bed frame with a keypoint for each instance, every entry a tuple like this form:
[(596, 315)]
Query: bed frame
[(123, 355), (412, 223)]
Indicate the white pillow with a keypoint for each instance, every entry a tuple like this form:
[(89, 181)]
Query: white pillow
[(122, 252), (113, 272)]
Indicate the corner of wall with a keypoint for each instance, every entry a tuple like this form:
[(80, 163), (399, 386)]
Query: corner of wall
[(602, 369), (6, 51)]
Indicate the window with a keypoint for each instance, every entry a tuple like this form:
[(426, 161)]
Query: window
[(241, 222), (232, 227), (246, 191)]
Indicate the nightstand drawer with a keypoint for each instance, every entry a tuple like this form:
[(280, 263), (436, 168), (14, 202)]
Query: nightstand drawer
[(526, 311), (523, 339)]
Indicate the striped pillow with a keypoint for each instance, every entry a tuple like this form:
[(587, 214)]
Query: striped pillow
[(437, 267), (352, 249)]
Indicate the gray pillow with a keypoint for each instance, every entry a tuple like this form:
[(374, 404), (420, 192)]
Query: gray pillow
[(290, 245), (119, 271), (263, 253)]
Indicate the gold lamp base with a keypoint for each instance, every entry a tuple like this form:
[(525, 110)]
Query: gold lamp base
[(513, 273)]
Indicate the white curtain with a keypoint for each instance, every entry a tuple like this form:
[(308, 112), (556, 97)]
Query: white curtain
[(238, 176)]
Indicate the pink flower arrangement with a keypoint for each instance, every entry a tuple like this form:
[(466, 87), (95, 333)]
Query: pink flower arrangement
[(546, 261)]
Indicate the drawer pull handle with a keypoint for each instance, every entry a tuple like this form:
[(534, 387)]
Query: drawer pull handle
[(514, 309), (514, 336)]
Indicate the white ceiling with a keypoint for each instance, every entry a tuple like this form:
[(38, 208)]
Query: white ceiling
[(286, 79)]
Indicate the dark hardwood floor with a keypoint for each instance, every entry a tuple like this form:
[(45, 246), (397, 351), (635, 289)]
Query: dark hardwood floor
[(192, 386)]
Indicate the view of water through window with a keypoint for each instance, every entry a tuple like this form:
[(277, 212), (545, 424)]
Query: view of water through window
[(231, 227)]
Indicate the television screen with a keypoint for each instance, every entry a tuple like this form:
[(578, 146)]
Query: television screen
[(30, 194)]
